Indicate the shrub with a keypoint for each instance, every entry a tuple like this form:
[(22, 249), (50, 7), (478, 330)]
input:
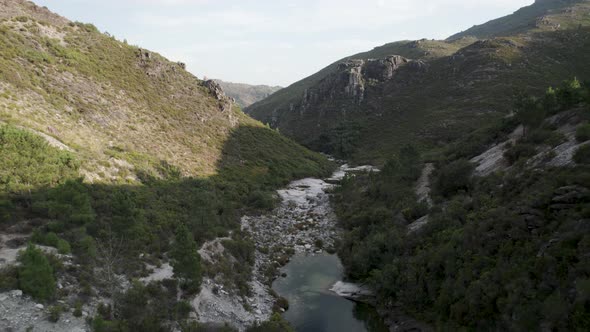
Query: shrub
[(518, 151), (186, 260), (582, 155), (583, 133), (35, 275), (63, 247), (54, 313), (261, 200), (78, 309), (8, 278), (454, 177), (276, 324)]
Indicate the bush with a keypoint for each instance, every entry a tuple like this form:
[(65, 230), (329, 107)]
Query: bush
[(454, 177), (8, 278), (583, 133), (518, 151), (276, 324), (63, 247), (582, 155), (261, 200), (78, 309), (54, 313), (35, 275)]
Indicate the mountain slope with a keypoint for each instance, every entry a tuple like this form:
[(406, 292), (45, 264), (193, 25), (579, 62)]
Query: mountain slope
[(118, 106), (543, 15), (115, 162), (246, 94), (365, 110)]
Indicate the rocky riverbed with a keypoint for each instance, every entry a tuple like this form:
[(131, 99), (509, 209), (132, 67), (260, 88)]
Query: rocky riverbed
[(303, 223)]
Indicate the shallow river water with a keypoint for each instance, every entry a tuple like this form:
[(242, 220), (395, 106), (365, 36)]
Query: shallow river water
[(313, 307)]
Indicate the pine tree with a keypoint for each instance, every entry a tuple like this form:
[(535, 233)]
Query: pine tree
[(35, 275), (185, 258)]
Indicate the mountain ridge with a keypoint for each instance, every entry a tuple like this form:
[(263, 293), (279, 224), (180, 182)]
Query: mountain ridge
[(247, 94), (468, 81)]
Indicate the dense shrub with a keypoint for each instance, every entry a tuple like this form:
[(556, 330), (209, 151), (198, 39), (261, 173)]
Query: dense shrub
[(519, 151), (185, 258), (35, 275), (453, 177), (27, 162), (582, 155), (583, 133)]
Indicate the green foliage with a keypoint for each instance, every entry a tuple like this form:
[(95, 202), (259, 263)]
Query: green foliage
[(28, 162), (582, 155), (185, 258), (35, 275), (8, 278), (276, 324), (498, 253), (77, 309), (583, 133), (241, 252), (55, 312), (454, 177), (529, 112), (519, 151)]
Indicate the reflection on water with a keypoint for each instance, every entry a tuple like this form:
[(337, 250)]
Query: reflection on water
[(312, 307)]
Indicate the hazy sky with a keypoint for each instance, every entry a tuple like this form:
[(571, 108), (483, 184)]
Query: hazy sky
[(275, 41)]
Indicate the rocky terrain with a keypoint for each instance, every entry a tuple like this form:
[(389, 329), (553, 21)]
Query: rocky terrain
[(304, 223)]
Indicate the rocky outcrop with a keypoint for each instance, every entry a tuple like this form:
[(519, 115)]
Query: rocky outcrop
[(353, 292), (352, 78), (225, 103), (215, 89)]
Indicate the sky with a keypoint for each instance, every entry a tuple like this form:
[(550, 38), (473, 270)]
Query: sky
[(275, 42)]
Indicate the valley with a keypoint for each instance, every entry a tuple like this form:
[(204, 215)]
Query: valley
[(423, 185)]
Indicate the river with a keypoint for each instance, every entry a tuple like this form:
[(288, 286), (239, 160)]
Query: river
[(313, 306)]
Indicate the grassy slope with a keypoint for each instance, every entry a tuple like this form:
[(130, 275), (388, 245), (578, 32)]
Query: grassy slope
[(122, 112), (528, 19), (160, 150), (466, 85)]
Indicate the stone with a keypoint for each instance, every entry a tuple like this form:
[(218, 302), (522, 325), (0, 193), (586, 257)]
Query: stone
[(215, 89), (308, 246), (258, 312), (39, 306), (16, 293)]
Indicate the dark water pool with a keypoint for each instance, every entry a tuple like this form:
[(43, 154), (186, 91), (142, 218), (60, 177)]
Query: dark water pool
[(313, 307)]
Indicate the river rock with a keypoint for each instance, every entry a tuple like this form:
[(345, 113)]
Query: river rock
[(352, 291)]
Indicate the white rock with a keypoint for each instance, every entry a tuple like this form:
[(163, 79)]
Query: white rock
[(39, 306), (258, 312), (308, 246), (16, 293)]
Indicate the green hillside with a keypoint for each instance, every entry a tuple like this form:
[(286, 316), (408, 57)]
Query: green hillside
[(448, 88), (119, 159), (543, 15)]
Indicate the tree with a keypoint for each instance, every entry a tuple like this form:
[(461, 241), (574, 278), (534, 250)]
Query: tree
[(185, 258), (570, 93), (529, 112), (35, 275)]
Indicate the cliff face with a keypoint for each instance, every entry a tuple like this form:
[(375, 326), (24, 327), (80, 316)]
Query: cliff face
[(427, 91)]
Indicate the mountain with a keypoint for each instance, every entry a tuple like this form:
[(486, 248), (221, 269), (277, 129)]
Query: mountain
[(430, 92), (246, 94), (542, 15), (115, 162)]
